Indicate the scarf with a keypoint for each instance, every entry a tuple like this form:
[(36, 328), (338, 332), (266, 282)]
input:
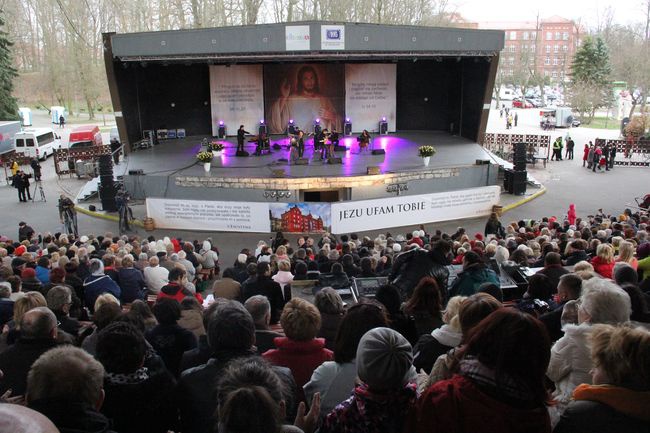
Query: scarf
[(138, 376), (626, 401), (484, 376)]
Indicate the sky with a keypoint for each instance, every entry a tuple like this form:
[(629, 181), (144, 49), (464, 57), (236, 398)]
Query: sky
[(625, 11)]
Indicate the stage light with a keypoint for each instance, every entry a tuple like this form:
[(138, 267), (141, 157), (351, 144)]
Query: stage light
[(291, 121), (383, 119), (173, 104), (347, 128), (347, 119), (221, 132), (261, 121), (221, 123), (317, 120)]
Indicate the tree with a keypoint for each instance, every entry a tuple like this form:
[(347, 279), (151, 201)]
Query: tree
[(8, 104), (590, 78)]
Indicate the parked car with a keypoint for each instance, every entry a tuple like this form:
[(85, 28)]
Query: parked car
[(575, 123), (521, 103), (536, 103)]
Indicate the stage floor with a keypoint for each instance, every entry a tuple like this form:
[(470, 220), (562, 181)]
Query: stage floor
[(178, 157)]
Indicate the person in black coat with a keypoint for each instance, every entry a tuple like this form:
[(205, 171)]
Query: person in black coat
[(138, 399), (241, 138), (409, 267), (36, 167), (568, 289), (264, 285), (131, 281), (21, 182), (576, 253), (25, 232), (493, 226)]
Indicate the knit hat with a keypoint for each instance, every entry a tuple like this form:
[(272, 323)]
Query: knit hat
[(384, 359), (83, 239), (241, 258), (396, 247), (28, 273), (19, 251)]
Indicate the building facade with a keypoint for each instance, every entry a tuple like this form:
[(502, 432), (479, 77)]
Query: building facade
[(294, 221), (546, 46)]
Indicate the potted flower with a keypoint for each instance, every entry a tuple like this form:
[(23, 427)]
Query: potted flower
[(206, 158), (426, 152), (216, 148)]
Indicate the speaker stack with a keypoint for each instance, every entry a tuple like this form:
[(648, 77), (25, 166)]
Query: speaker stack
[(107, 187), (519, 156), (347, 128), (383, 127)]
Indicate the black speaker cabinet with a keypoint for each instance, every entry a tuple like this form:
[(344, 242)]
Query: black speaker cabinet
[(383, 127), (514, 182), (347, 128), (302, 161), (335, 161), (241, 153), (262, 129), (222, 131), (379, 152)]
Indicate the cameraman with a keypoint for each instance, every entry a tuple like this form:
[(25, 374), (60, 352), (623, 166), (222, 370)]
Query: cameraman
[(36, 167), (66, 207), (122, 199)]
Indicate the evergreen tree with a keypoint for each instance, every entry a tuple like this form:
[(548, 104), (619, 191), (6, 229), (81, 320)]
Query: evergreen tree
[(590, 75), (8, 104)]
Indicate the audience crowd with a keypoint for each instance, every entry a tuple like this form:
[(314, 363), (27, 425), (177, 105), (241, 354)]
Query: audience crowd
[(122, 334)]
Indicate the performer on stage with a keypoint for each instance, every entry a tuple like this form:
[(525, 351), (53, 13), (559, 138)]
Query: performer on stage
[(262, 144), (364, 140), (319, 143), (301, 143), (334, 137), (241, 137), (329, 145)]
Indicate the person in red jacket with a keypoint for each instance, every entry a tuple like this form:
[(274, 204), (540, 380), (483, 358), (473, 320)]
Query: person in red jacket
[(604, 261), (176, 287), (494, 392), (571, 214), (299, 350)]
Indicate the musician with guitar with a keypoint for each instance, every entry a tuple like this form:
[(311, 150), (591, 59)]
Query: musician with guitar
[(241, 137)]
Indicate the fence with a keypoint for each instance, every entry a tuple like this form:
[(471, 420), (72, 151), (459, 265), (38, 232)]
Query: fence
[(631, 154), (69, 156), (502, 144)]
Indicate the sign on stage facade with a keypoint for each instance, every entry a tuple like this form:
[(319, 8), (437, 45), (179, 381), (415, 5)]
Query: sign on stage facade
[(226, 216), (370, 95), (236, 96), (339, 217), (297, 38), (354, 216), (332, 37)]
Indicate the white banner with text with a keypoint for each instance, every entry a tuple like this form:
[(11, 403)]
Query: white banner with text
[(236, 97), (370, 95), (354, 216), (224, 216)]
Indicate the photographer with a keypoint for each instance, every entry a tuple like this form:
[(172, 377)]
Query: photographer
[(36, 167), (125, 212)]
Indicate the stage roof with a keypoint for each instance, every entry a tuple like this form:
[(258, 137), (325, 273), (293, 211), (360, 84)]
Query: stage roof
[(299, 41)]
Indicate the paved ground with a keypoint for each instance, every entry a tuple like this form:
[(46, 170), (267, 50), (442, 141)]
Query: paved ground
[(566, 182)]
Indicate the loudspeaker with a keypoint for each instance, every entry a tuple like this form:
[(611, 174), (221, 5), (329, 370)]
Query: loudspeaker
[(138, 172), (222, 131), (241, 153), (109, 204), (317, 128), (482, 161), (383, 128), (519, 156), (514, 182), (106, 180), (334, 161), (373, 170), (379, 152), (339, 148), (347, 128), (291, 128), (301, 161), (261, 130)]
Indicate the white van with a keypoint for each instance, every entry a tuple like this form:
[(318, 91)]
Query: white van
[(37, 142)]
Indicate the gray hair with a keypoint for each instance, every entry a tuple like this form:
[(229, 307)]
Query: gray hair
[(96, 266), (5, 290), (501, 254), (66, 374), (329, 301), (37, 323), (259, 306), (58, 296), (231, 328), (605, 302)]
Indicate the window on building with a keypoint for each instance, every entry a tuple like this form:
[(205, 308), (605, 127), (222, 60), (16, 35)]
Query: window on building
[(547, 61), (565, 48), (533, 35), (532, 48), (556, 49), (525, 36), (513, 48), (557, 36), (565, 36), (554, 74), (549, 36), (511, 62), (513, 36), (548, 49), (555, 61), (546, 73)]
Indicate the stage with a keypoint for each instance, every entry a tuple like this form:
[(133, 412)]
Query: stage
[(170, 170)]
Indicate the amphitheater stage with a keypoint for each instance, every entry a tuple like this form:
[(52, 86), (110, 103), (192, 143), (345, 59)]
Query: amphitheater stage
[(170, 170)]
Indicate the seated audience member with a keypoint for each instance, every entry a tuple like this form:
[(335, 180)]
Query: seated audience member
[(66, 385), (175, 288), (20, 419), (568, 289), (284, 275), (626, 252), (410, 266), (167, 338), (131, 281), (425, 306), (138, 399), (601, 302), (227, 287), (38, 333), (192, 316), (604, 262), (553, 269), (251, 399), (538, 297), (30, 282), (6, 303), (231, 335), (491, 289), (11, 330), (335, 380), (142, 309), (98, 283), (625, 274), (430, 346), (474, 274), (260, 309), (337, 278), (262, 284), (472, 311), (202, 352), (155, 276), (103, 317), (389, 296), (59, 300), (640, 314), (387, 392), (576, 252), (619, 398), (502, 393), (330, 306), (300, 350)]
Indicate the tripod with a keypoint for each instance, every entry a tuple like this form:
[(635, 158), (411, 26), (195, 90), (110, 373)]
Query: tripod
[(39, 187)]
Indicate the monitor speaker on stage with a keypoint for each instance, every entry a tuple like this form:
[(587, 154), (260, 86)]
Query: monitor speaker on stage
[(222, 130), (334, 161), (347, 128), (383, 127), (317, 128), (241, 153), (291, 128), (301, 161), (379, 152), (262, 129)]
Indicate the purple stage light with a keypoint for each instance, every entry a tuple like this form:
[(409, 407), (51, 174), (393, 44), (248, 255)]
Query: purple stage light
[(347, 119), (291, 121), (318, 120), (221, 123), (261, 121), (383, 119)]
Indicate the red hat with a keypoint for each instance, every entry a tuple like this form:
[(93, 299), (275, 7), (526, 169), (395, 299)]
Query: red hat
[(20, 250), (28, 273), (478, 236)]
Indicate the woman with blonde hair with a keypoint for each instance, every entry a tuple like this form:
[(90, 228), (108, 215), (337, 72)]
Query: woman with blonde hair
[(22, 305), (604, 262), (626, 254)]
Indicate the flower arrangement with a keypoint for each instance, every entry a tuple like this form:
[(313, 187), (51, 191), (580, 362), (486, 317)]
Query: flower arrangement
[(204, 156), (215, 146), (426, 151)]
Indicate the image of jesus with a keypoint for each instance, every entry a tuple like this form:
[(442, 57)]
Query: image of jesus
[(304, 105)]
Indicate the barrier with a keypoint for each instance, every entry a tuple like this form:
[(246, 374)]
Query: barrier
[(502, 144), (84, 154)]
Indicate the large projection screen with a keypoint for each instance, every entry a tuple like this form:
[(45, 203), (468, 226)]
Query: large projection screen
[(370, 95)]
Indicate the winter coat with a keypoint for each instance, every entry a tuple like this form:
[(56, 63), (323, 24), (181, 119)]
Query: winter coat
[(329, 326), (606, 270), (192, 320), (570, 361), (175, 291), (411, 266), (457, 405), (430, 347), (469, 280), (72, 417), (575, 257), (96, 285), (269, 288), (16, 361), (170, 342), (301, 357), (132, 284), (334, 381)]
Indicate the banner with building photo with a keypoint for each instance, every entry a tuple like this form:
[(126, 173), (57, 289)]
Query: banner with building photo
[(236, 97), (300, 217), (370, 95), (365, 215), (224, 216), (304, 93)]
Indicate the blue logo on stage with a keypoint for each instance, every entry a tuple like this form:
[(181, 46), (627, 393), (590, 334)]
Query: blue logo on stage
[(334, 34)]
